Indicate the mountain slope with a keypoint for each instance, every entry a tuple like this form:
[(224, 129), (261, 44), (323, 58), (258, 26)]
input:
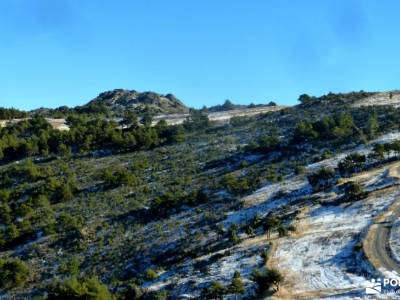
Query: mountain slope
[(200, 210)]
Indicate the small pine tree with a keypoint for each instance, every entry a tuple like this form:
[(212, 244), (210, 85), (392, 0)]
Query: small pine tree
[(354, 191), (264, 256), (147, 120), (151, 274), (282, 231), (250, 230), (64, 150), (372, 126), (12, 232), (215, 291), (66, 193), (233, 234), (267, 278), (133, 292), (237, 287), (70, 266)]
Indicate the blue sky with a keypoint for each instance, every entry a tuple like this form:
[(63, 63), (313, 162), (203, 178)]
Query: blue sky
[(65, 52)]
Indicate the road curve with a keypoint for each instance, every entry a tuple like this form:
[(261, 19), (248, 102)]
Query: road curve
[(376, 244)]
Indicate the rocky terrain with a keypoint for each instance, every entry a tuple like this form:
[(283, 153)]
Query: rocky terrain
[(120, 100)]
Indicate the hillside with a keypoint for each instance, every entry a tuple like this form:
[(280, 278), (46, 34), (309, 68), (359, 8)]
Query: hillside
[(117, 104), (220, 117), (279, 202)]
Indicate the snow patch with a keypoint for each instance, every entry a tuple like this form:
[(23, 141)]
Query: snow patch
[(323, 257), (268, 199)]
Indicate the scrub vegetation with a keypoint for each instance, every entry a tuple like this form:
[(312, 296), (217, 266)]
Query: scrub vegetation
[(116, 205)]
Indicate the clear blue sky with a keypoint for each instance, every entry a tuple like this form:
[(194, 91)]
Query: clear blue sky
[(65, 52)]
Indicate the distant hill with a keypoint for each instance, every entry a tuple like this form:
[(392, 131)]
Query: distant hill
[(228, 106), (120, 100)]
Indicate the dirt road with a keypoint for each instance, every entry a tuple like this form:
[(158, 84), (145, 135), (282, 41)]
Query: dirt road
[(376, 244)]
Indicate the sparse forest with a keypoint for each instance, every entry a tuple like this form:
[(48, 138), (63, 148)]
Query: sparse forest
[(112, 206)]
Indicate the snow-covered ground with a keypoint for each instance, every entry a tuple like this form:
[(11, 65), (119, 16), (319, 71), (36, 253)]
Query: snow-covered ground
[(194, 275), (59, 124), (394, 241), (362, 149), (385, 98), (389, 137), (269, 198), (189, 278), (379, 178), (222, 116), (321, 260)]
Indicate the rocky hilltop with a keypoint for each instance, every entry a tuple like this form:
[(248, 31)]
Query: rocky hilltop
[(120, 99)]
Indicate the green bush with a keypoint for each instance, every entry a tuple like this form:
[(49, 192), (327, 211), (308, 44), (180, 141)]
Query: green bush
[(151, 274), (353, 191), (299, 169), (372, 126), (197, 120), (66, 223), (69, 230), (282, 231), (233, 234), (5, 195), (5, 213), (270, 223), (156, 295), (322, 179), (266, 279), (84, 288), (61, 190), (12, 232), (354, 162), (265, 144), (70, 266), (174, 199), (13, 273), (238, 186), (265, 256), (132, 292), (215, 291), (114, 178), (304, 132), (306, 99)]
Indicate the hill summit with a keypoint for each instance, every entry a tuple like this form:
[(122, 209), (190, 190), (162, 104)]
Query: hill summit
[(120, 99)]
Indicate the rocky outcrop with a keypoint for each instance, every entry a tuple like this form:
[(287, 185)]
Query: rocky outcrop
[(119, 100)]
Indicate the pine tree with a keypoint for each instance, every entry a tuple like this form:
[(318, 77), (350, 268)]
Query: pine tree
[(237, 287)]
